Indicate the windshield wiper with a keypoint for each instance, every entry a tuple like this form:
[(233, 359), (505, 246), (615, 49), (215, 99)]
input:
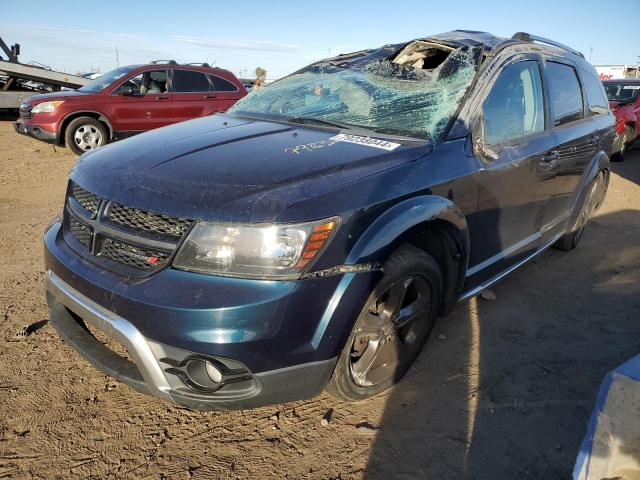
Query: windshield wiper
[(318, 121), (356, 129)]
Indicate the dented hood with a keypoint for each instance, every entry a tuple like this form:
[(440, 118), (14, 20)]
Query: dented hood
[(234, 169)]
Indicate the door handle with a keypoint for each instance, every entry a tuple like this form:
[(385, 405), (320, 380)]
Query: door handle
[(162, 98), (550, 156), (208, 97)]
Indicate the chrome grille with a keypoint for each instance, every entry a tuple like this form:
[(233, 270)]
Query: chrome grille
[(88, 200), (143, 220), (133, 255)]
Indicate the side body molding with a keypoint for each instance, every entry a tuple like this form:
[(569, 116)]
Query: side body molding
[(386, 231)]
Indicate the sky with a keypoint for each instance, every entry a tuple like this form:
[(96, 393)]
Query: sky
[(282, 36)]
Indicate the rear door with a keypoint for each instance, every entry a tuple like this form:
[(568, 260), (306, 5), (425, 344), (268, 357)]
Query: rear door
[(149, 107), (194, 95), (514, 142), (598, 109), (225, 93), (577, 139)]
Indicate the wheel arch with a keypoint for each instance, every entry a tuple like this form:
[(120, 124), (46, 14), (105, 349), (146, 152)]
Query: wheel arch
[(84, 113), (599, 163), (431, 223)]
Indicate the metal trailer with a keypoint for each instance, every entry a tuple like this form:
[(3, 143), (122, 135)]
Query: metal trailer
[(19, 81)]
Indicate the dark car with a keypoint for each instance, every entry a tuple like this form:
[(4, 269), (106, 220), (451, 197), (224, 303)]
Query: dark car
[(624, 100), (127, 101), (310, 237)]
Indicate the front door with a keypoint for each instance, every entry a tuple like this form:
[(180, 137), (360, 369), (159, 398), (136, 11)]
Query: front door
[(512, 145), (150, 105)]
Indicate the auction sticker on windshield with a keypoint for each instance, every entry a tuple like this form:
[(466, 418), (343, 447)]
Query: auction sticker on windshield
[(368, 141)]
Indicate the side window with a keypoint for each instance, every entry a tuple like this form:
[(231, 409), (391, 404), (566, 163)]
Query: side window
[(596, 98), (221, 85), (147, 83), (515, 107), (565, 93), (189, 81)]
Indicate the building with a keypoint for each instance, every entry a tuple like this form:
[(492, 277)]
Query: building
[(609, 72)]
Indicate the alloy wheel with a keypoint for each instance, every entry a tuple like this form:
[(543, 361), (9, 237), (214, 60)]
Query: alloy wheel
[(388, 332), (591, 201), (589, 206)]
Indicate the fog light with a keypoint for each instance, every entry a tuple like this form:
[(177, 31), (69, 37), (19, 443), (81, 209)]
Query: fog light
[(203, 374), (213, 372)]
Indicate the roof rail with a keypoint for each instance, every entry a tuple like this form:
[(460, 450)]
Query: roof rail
[(170, 62), (200, 64), (527, 37)]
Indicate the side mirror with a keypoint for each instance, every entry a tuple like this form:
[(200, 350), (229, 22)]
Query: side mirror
[(126, 90), (477, 138)]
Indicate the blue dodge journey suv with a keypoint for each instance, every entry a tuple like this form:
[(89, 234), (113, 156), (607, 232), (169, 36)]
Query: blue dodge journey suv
[(309, 238)]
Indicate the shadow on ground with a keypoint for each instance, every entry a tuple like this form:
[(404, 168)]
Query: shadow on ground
[(630, 168), (504, 388)]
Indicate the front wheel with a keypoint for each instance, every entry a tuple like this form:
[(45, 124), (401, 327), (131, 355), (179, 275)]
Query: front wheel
[(84, 134), (392, 327)]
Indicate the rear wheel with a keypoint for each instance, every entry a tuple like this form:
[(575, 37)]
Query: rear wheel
[(84, 134), (591, 202), (392, 327), (621, 144)]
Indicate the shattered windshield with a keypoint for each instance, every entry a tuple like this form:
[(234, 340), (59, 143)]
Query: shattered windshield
[(383, 95)]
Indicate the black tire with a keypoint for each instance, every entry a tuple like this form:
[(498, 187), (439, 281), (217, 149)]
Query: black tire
[(592, 200), (84, 134), (622, 143), (410, 266)]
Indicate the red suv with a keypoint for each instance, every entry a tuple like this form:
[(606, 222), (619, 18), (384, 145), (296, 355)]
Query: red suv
[(126, 101), (624, 101)]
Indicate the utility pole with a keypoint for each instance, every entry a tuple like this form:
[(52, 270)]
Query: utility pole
[(590, 53), (117, 57)]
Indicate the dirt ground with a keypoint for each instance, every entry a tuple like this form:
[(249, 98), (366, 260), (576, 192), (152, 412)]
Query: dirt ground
[(503, 389)]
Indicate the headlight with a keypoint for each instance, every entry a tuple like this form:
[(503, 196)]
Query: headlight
[(47, 107), (254, 251)]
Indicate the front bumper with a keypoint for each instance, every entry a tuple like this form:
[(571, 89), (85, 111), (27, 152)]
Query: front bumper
[(36, 131), (283, 336), (148, 369)]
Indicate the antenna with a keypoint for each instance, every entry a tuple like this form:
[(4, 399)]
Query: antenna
[(117, 57)]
